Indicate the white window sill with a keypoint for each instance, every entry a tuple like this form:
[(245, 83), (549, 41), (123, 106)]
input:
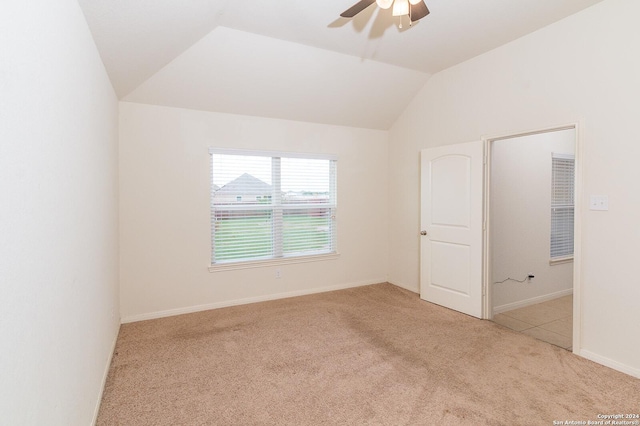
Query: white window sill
[(272, 262), (561, 260)]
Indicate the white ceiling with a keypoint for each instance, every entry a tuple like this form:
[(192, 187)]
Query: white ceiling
[(297, 59)]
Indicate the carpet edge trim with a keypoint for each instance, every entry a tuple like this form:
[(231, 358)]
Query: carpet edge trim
[(404, 286), (246, 301), (105, 376), (608, 362)]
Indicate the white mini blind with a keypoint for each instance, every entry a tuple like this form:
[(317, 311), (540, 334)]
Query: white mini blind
[(271, 206), (562, 205)]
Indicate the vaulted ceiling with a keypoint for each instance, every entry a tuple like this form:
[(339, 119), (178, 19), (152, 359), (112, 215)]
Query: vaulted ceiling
[(294, 59)]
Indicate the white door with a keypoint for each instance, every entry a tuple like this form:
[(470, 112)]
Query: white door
[(452, 227)]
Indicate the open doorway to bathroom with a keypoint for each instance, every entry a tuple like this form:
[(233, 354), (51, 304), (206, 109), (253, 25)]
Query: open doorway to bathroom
[(531, 215)]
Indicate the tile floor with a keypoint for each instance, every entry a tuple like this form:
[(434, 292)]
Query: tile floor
[(550, 321)]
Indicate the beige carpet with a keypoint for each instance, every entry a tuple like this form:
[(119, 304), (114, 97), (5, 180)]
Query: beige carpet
[(373, 355)]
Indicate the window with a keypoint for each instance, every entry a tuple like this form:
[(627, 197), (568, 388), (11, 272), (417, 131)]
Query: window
[(562, 206), (267, 206)]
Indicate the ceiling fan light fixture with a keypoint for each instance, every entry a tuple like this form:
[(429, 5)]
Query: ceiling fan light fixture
[(401, 7), (384, 4)]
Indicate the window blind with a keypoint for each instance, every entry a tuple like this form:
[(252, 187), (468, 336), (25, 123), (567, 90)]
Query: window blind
[(271, 205), (562, 205)]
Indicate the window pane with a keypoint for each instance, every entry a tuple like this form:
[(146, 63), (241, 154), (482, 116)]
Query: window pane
[(241, 179), (563, 181), (242, 235), (562, 232), (562, 205), (305, 181), (306, 231)]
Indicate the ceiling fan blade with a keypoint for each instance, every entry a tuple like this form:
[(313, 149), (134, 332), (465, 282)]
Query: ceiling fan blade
[(418, 11), (357, 8)]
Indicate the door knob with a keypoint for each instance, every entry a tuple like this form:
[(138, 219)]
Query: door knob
[(423, 232)]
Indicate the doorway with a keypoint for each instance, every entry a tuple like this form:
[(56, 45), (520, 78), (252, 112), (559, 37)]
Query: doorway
[(530, 239)]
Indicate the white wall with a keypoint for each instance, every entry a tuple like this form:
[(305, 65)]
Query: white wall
[(521, 220), (58, 216), (165, 219), (584, 67)]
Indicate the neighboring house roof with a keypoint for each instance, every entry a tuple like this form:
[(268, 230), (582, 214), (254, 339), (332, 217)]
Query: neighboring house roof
[(245, 184)]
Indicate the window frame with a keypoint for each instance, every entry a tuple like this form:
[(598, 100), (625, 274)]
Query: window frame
[(274, 261)]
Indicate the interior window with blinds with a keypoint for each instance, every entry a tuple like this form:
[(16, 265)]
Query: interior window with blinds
[(271, 206), (562, 205)]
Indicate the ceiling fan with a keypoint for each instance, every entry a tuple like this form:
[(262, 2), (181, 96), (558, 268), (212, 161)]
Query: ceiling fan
[(415, 9)]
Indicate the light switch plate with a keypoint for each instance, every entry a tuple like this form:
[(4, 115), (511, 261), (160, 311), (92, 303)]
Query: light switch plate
[(599, 202)]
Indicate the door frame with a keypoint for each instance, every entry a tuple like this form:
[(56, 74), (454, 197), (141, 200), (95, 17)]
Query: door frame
[(577, 232)]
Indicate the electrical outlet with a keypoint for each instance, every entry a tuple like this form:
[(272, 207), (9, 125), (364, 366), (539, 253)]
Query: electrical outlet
[(599, 202), (278, 274)]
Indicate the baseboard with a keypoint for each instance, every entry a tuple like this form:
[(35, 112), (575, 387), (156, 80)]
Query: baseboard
[(531, 301), (245, 301), (635, 372), (104, 377), (406, 287)]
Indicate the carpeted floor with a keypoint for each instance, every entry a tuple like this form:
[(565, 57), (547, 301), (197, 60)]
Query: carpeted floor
[(374, 355)]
